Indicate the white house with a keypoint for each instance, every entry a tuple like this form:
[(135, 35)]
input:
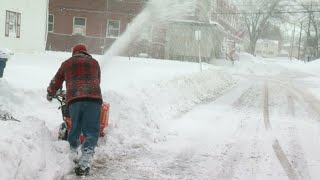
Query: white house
[(23, 25), (267, 48)]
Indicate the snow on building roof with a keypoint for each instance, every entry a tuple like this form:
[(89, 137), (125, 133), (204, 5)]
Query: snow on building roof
[(200, 22), (268, 40), (286, 45), (284, 52)]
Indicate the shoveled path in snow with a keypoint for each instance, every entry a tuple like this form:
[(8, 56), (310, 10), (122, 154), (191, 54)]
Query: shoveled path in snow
[(263, 128)]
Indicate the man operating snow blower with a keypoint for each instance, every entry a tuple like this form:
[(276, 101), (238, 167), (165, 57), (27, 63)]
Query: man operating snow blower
[(82, 75)]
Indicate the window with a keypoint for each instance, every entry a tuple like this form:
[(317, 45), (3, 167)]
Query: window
[(50, 23), (113, 30), (79, 25), (13, 24)]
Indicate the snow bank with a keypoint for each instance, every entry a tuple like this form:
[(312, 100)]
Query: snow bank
[(28, 150), (249, 65), (311, 67), (137, 117)]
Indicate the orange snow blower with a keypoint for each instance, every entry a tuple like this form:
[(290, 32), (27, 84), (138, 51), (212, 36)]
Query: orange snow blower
[(66, 125)]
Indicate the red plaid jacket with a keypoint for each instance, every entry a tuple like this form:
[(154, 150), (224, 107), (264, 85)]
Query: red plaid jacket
[(82, 75)]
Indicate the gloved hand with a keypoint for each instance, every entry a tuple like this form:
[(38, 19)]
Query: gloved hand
[(49, 97)]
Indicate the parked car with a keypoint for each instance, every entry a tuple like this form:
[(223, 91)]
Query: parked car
[(5, 54)]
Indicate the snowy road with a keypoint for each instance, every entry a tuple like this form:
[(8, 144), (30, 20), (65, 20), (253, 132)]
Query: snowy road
[(265, 127)]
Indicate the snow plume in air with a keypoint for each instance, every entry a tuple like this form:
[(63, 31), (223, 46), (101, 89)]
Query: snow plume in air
[(156, 12)]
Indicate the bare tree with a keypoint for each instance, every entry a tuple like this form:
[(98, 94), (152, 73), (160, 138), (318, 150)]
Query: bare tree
[(256, 15), (313, 35)]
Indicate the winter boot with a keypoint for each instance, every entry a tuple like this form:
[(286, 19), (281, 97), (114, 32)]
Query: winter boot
[(83, 166), (82, 170)]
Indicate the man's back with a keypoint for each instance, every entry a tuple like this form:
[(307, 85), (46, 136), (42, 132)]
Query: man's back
[(82, 76)]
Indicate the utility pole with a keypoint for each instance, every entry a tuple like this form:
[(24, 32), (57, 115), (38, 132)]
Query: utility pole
[(292, 42), (198, 39), (301, 23), (308, 35)]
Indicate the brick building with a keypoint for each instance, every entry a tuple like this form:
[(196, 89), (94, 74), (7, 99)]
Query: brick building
[(96, 24)]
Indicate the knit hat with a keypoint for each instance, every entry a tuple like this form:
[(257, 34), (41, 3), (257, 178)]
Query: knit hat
[(79, 47)]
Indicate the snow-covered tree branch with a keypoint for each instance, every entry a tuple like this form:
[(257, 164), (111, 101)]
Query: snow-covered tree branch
[(256, 16)]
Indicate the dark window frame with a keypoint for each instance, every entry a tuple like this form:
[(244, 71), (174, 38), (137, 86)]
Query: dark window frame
[(75, 26), (51, 23), (17, 24), (111, 30)]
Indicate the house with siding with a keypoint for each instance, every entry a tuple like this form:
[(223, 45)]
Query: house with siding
[(267, 48), (23, 26), (218, 22), (219, 25)]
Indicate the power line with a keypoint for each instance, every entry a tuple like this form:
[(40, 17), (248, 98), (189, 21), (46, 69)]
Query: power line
[(287, 5), (275, 12)]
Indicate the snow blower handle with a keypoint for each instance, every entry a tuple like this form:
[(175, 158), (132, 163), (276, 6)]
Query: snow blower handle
[(60, 95)]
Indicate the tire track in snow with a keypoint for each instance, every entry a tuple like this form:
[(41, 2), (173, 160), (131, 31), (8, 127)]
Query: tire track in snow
[(266, 116), (299, 163), (298, 158), (244, 96), (285, 163), (281, 156)]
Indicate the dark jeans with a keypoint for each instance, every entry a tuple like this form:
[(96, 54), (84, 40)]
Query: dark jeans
[(85, 119), (2, 66)]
